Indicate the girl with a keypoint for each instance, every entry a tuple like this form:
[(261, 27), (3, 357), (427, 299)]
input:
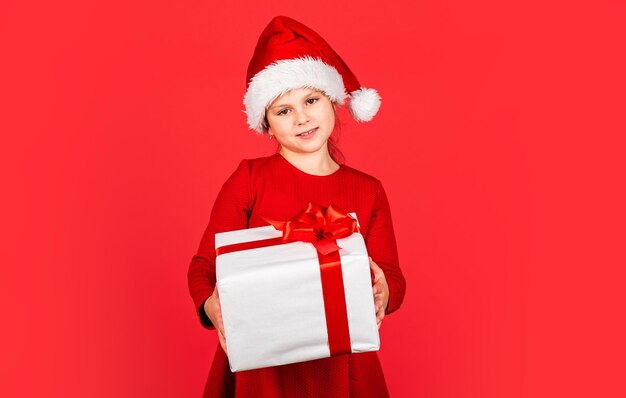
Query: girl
[(295, 82)]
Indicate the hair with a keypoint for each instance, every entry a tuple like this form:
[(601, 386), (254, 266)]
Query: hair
[(333, 141)]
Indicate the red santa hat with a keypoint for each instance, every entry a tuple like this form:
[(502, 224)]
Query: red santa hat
[(290, 55)]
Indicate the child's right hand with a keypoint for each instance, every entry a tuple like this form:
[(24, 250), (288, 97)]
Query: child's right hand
[(214, 311)]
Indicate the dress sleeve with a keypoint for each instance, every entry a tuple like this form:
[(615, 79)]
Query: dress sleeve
[(381, 246), (230, 212)]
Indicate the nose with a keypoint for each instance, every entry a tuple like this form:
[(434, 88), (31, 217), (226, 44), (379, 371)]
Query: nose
[(302, 117)]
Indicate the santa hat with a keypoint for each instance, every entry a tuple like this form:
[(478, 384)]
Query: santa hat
[(290, 55)]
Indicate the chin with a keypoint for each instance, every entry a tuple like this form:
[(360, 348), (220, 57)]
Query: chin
[(311, 148)]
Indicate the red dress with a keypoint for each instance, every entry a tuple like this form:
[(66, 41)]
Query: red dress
[(272, 187)]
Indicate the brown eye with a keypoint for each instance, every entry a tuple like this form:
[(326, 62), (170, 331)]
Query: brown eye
[(311, 100), (283, 112)]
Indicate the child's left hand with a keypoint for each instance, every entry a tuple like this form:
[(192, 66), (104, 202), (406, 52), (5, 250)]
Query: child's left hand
[(380, 290)]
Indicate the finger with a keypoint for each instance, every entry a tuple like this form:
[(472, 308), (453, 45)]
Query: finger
[(222, 341), (378, 304), (219, 323), (220, 326), (378, 289), (373, 265), (377, 274), (372, 273), (217, 320), (217, 304), (380, 315), (378, 301), (376, 270)]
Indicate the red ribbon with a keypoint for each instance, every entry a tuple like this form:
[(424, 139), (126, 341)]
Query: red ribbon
[(321, 227)]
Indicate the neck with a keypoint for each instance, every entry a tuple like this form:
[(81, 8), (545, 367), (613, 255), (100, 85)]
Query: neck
[(316, 163)]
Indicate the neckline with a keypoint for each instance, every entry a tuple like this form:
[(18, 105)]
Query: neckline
[(334, 173)]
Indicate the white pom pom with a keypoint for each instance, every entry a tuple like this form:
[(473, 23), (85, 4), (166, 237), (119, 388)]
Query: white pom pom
[(364, 104)]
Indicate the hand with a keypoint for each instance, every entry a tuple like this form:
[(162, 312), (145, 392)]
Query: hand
[(213, 310), (380, 289)]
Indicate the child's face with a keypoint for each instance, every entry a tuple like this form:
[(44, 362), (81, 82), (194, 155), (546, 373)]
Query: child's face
[(298, 111)]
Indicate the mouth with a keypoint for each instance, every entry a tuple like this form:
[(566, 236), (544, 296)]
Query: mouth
[(307, 133)]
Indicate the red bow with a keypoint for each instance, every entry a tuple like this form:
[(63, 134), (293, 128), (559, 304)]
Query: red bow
[(322, 227)]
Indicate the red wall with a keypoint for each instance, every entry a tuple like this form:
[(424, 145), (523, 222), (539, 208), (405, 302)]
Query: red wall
[(496, 143)]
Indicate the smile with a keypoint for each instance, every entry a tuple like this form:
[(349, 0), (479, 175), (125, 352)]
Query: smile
[(307, 133)]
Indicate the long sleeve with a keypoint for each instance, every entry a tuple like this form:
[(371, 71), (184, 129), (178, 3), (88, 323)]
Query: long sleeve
[(381, 246), (272, 187), (230, 212)]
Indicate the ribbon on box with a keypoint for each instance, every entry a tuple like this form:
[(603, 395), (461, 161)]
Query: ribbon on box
[(321, 227)]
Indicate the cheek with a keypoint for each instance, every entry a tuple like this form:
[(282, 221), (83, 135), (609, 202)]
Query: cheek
[(279, 127), (329, 116)]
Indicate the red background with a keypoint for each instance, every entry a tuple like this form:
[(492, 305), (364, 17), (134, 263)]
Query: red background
[(497, 143)]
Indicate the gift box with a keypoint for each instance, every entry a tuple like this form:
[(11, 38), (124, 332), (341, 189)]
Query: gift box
[(295, 291)]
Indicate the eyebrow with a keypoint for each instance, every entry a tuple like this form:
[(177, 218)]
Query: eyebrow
[(311, 92)]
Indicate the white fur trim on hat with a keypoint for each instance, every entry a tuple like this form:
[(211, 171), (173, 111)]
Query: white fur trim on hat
[(364, 104), (288, 74)]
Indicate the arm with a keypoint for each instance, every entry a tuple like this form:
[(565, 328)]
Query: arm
[(230, 212), (381, 246)]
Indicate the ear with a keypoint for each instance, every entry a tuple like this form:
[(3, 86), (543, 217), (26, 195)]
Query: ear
[(266, 125)]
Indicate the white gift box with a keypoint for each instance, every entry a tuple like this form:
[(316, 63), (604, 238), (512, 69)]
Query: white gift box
[(272, 301)]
